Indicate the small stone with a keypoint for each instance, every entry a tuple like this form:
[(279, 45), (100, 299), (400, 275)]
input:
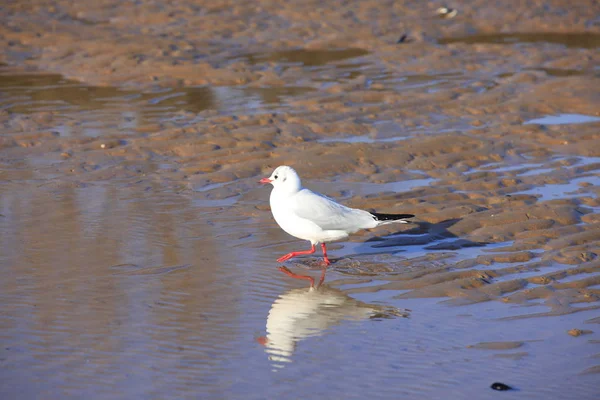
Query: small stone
[(500, 386), (578, 332), (446, 12)]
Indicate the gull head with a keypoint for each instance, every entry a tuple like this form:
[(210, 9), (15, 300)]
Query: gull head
[(284, 178)]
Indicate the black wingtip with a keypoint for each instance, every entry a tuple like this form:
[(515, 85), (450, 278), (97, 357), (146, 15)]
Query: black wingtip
[(390, 217)]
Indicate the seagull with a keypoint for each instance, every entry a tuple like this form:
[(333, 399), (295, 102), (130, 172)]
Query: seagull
[(311, 216)]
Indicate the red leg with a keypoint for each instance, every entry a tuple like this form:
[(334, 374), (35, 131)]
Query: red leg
[(295, 276), (296, 253), (327, 262)]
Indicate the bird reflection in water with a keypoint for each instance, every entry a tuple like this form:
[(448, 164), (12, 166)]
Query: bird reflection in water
[(302, 313), (289, 273)]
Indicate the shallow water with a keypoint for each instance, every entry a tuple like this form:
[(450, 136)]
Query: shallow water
[(126, 110), (118, 292), (562, 119)]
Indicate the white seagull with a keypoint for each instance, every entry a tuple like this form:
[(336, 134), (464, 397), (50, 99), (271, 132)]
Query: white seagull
[(311, 216)]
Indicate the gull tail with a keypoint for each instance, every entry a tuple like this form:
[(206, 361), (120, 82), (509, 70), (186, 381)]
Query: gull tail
[(391, 218)]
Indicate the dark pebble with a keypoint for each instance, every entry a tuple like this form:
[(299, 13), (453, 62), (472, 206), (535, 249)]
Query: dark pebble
[(500, 386)]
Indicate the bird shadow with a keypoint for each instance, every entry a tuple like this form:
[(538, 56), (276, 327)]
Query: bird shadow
[(422, 236), (430, 236)]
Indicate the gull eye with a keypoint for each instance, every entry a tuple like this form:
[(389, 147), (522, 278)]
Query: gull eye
[(275, 177)]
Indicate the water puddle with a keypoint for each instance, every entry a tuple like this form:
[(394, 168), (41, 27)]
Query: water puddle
[(324, 69), (426, 83), (567, 190), (358, 139), (304, 57), (364, 139), (529, 169), (420, 80), (367, 188), (403, 134), (563, 119), (78, 109), (509, 168), (573, 40), (537, 171)]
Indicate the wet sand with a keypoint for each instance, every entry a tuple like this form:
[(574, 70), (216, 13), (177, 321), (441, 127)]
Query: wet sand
[(139, 252)]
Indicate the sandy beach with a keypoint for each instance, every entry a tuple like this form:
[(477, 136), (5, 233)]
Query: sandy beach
[(138, 250)]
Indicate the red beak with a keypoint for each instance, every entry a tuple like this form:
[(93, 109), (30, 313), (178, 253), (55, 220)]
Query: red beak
[(265, 180)]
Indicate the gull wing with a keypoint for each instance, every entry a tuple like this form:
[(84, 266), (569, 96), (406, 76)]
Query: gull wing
[(328, 214)]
